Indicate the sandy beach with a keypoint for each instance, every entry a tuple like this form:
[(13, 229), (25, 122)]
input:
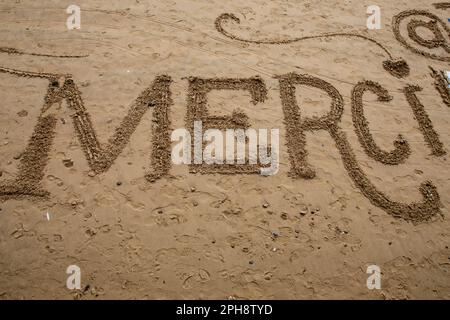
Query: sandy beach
[(86, 176)]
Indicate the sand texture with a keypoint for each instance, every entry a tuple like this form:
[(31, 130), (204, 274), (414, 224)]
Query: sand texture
[(86, 176)]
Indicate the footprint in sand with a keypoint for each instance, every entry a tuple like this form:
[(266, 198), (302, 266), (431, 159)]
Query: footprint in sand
[(194, 279)]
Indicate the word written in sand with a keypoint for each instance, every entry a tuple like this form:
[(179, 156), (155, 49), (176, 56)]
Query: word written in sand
[(157, 97)]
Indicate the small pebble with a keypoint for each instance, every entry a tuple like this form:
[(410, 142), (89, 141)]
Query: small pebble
[(94, 292), (193, 189), (68, 163), (22, 113), (236, 211), (265, 205)]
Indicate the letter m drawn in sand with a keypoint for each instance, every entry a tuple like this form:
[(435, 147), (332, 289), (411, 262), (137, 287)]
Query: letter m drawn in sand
[(99, 157)]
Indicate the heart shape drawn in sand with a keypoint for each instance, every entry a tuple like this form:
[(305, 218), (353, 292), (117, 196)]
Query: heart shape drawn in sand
[(398, 68)]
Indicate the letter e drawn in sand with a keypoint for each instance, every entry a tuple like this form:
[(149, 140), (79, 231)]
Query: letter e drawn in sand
[(197, 111)]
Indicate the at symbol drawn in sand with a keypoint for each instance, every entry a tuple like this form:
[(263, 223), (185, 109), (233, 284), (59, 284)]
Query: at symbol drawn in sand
[(421, 19)]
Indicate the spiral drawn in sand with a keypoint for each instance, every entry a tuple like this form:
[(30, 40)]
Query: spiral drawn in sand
[(396, 67)]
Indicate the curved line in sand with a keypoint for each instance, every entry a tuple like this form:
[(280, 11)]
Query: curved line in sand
[(9, 50), (229, 16)]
